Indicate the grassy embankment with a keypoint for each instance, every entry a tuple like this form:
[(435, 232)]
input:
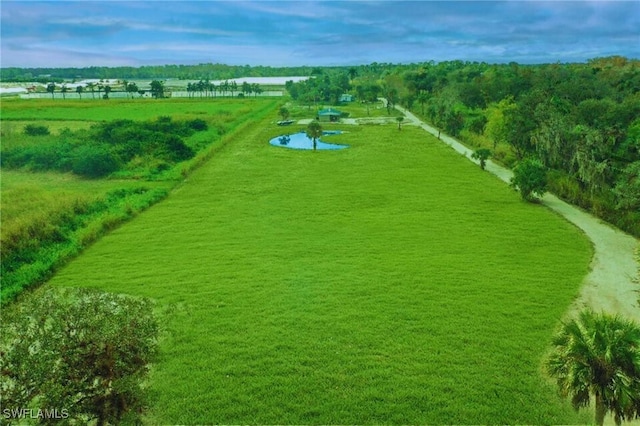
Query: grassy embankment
[(49, 217), (391, 282)]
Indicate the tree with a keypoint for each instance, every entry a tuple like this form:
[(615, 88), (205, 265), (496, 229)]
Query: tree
[(246, 88), (132, 88), (79, 90), (107, 90), (157, 89), (92, 87), (482, 155), (314, 131), (353, 72), (284, 113), (225, 86), (368, 93), (423, 98), (256, 89), (64, 89), (598, 355), (399, 119), (51, 87), (627, 189), (83, 351), (496, 127), (530, 178)]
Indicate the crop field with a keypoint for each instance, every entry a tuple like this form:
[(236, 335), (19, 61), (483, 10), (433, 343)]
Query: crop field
[(390, 282)]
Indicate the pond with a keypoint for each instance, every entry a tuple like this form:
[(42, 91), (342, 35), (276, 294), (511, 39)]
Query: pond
[(301, 141)]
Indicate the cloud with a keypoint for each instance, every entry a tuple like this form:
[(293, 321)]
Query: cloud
[(315, 32)]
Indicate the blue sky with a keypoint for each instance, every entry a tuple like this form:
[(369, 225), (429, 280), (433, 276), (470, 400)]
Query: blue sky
[(290, 33)]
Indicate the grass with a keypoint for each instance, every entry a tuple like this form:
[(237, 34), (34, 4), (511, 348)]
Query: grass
[(391, 282), (133, 109), (353, 109), (48, 218)]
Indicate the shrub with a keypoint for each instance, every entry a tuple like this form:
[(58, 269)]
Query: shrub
[(82, 351), (530, 178), (93, 161), (482, 155), (198, 125), (172, 148), (36, 130)]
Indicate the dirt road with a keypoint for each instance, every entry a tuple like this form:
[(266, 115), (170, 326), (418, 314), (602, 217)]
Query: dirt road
[(612, 284)]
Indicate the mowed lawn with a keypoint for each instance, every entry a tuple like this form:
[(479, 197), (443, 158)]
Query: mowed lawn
[(391, 282)]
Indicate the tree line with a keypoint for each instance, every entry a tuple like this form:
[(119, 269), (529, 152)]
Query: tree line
[(206, 88), (183, 72)]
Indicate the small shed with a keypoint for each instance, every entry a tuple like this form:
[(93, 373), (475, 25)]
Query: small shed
[(346, 98), (329, 114)]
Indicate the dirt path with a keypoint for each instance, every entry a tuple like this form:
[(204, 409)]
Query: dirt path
[(612, 284)]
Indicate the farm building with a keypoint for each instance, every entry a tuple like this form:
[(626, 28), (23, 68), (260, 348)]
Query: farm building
[(329, 114)]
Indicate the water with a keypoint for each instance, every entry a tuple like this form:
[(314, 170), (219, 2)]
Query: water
[(301, 141)]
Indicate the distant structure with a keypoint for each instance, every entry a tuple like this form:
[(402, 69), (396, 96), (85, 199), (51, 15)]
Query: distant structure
[(346, 98), (329, 115)]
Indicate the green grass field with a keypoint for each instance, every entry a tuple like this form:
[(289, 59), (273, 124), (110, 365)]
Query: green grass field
[(49, 217), (391, 282)]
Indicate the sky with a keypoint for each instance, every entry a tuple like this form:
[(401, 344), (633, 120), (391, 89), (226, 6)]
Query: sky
[(316, 33)]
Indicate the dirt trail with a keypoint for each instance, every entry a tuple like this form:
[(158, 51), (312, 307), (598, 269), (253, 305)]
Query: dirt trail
[(612, 284)]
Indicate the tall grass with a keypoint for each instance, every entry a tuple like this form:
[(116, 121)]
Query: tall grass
[(46, 224), (391, 282)]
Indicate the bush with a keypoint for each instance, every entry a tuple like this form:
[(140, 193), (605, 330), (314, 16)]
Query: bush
[(198, 125), (172, 148), (107, 147), (482, 155), (81, 351), (94, 161), (36, 130), (530, 178)]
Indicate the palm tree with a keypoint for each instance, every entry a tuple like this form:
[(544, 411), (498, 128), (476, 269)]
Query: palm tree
[(599, 355), (92, 86), (79, 90), (51, 87), (256, 89), (225, 87), (314, 131), (353, 72)]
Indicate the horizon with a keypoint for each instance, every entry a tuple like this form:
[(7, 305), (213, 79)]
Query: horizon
[(63, 34)]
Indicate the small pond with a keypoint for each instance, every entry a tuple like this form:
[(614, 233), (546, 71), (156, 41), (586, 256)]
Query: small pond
[(301, 141)]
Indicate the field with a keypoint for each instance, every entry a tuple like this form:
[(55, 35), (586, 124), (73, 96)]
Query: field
[(391, 282), (49, 217)]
